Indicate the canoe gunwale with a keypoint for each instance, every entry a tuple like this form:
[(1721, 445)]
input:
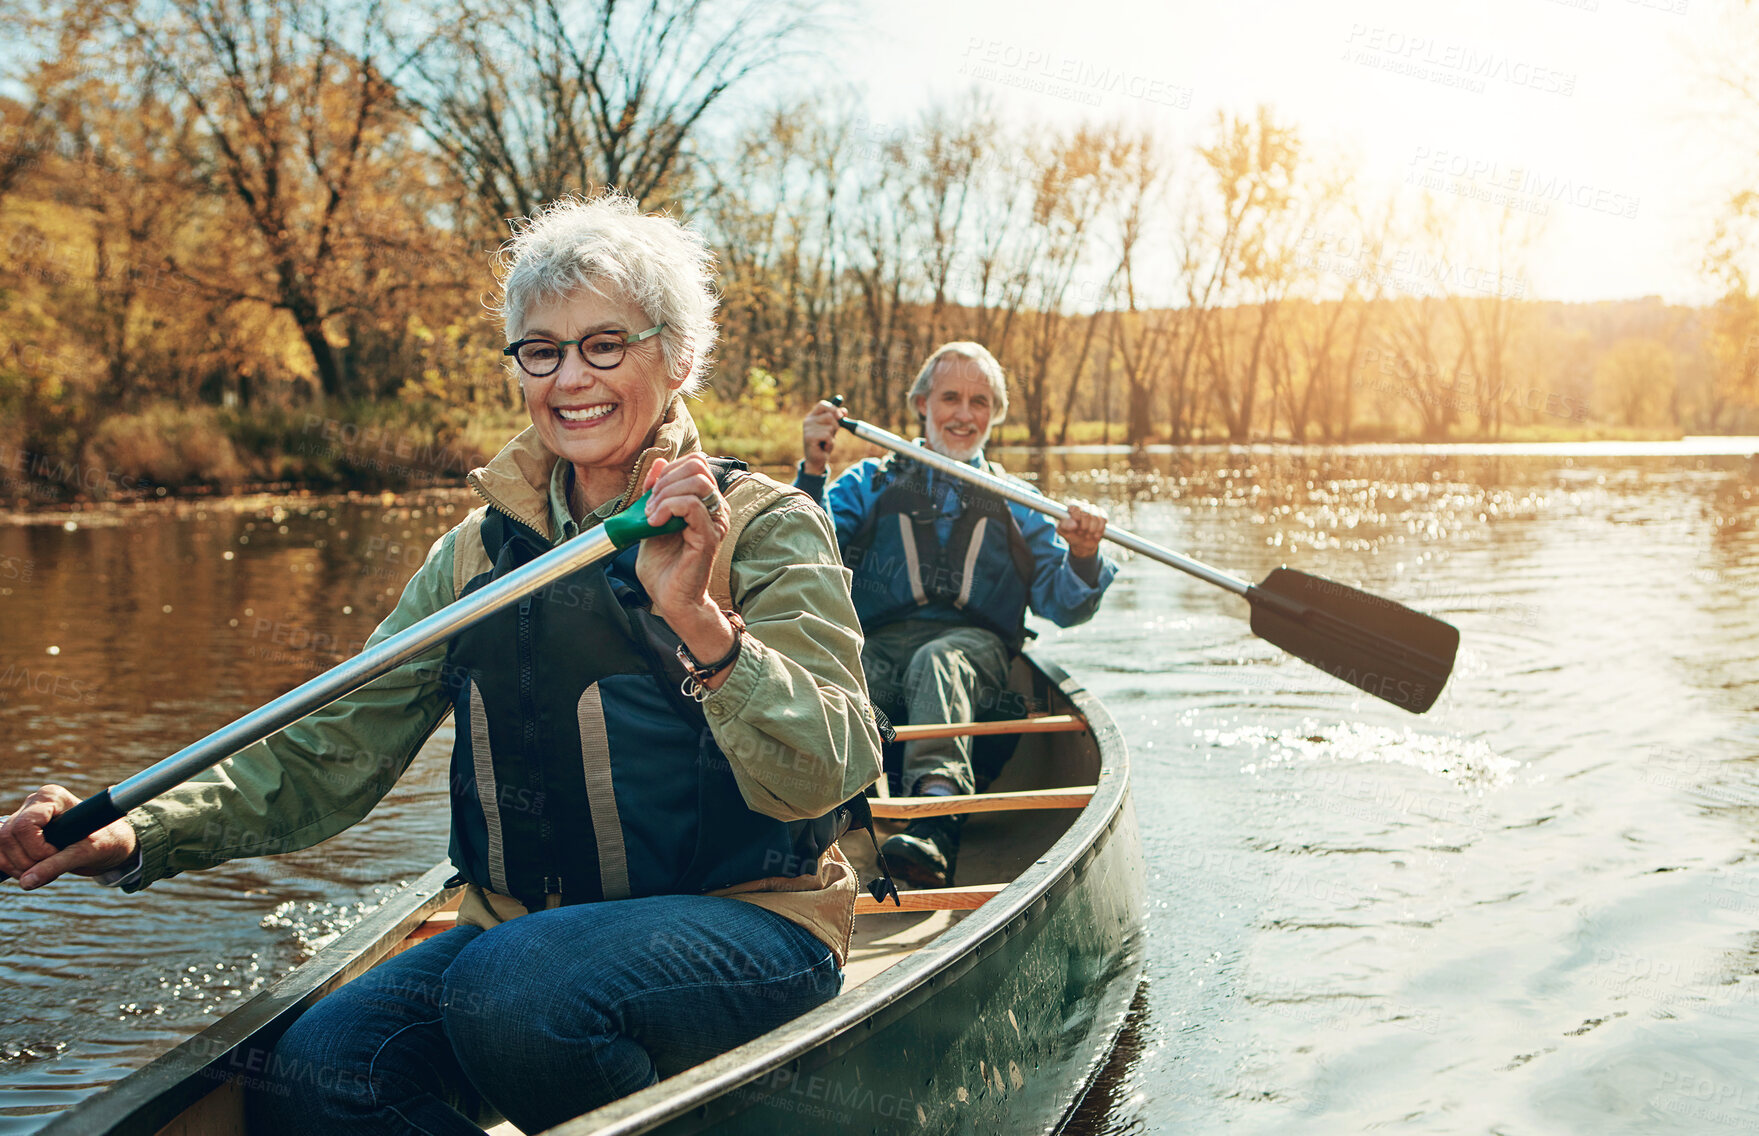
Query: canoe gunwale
[(841, 1023), (157, 1093)]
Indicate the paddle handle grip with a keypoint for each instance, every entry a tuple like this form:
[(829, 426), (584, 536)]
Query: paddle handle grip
[(82, 820), (630, 526)]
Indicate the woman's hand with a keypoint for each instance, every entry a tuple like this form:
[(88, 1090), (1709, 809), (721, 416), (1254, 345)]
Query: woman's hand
[(33, 861), (1082, 528), (674, 568), (818, 436)]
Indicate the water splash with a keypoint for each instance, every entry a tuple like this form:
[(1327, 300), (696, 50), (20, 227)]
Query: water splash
[(1469, 765)]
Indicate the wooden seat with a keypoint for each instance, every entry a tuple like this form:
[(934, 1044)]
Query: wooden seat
[(1034, 724), (929, 899), (434, 924), (905, 808)]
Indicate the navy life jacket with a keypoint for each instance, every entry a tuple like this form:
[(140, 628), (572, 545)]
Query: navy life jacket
[(580, 770), (900, 567)]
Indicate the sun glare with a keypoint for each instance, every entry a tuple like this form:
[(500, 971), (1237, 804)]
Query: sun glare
[(1589, 122)]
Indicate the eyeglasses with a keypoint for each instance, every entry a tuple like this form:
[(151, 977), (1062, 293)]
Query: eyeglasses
[(602, 350)]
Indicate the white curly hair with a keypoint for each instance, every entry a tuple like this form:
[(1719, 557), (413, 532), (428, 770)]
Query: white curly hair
[(605, 244)]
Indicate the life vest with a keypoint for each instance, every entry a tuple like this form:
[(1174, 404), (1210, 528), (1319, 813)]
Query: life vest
[(900, 566), (580, 770)]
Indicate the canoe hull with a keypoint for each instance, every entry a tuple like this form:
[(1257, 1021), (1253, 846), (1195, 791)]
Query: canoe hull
[(1004, 1042)]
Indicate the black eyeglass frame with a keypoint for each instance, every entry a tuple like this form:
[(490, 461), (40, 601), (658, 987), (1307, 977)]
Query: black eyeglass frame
[(579, 345)]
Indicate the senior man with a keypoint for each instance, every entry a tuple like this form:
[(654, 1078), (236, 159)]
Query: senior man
[(943, 575)]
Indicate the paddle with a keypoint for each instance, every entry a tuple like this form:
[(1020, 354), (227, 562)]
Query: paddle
[(617, 533), (1398, 655)]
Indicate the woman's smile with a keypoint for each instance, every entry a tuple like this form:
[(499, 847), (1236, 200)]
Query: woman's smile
[(592, 415), (599, 420)]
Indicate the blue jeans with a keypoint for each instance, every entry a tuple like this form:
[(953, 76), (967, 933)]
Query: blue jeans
[(547, 1016)]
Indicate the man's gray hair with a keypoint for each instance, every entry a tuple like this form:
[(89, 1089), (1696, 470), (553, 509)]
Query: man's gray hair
[(605, 244), (986, 363)]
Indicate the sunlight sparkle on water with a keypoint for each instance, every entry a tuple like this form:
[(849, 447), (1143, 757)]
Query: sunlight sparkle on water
[(1467, 764)]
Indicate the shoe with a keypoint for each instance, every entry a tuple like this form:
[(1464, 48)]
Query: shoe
[(924, 853)]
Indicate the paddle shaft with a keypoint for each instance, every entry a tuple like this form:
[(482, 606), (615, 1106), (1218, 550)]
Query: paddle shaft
[(93, 813), (1021, 495), (1392, 652)]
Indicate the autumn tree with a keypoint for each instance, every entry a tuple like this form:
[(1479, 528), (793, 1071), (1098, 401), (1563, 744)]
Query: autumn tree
[(530, 101), (123, 151), (760, 239), (1254, 163), (1729, 263), (1421, 357), (1308, 339), (1487, 304), (1139, 341), (880, 258), (1371, 229), (291, 104), (829, 333), (950, 148), (1733, 331), (44, 78), (1071, 177), (1634, 382)]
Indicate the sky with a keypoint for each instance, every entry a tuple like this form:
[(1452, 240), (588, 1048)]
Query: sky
[(1599, 119)]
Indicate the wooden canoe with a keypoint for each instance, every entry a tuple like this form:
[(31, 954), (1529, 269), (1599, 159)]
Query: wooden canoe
[(986, 1008)]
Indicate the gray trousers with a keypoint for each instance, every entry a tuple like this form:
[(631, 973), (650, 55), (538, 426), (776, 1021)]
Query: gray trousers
[(922, 671)]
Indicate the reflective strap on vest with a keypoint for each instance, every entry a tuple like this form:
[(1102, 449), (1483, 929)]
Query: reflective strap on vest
[(487, 793), (601, 797), (912, 560), (969, 575)]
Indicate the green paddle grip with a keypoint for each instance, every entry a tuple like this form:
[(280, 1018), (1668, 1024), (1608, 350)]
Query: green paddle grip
[(630, 526)]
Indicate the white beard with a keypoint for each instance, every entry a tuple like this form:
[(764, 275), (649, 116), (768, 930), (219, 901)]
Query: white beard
[(941, 444)]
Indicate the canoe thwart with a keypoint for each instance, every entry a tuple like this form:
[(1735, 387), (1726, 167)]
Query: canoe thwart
[(1036, 724), (906, 808), (930, 899)]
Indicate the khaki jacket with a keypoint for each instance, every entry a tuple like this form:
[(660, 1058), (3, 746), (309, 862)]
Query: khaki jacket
[(792, 715)]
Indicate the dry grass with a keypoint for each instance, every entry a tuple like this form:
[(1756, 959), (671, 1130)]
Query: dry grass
[(166, 444)]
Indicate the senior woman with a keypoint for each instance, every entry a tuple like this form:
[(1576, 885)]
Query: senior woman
[(649, 877)]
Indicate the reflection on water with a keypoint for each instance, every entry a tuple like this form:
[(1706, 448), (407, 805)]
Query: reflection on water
[(1112, 1106), (1526, 910), (128, 633)]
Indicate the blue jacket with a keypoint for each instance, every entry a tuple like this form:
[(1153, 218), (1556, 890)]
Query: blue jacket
[(1059, 589)]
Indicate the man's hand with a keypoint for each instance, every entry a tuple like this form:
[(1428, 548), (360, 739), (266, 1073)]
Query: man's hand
[(33, 861), (1082, 528), (818, 436)]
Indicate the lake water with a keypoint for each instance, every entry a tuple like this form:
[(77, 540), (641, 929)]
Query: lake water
[(1533, 909)]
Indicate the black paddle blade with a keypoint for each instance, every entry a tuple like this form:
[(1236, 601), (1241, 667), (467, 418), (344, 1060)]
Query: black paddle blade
[(1398, 655)]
